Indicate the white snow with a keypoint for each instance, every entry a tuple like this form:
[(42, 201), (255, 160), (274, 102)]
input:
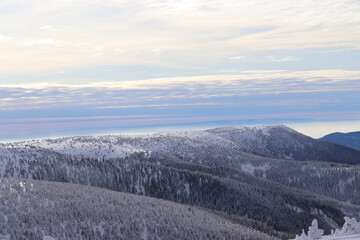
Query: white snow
[(111, 146), (295, 208), (48, 238), (93, 147), (249, 168), (314, 232), (349, 231), (187, 189), (350, 237)]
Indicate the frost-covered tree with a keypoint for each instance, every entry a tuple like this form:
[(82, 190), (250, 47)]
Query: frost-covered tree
[(314, 232), (69, 211), (303, 236), (351, 226)]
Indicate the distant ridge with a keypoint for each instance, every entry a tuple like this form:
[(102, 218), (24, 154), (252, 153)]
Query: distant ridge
[(282, 142), (351, 139)]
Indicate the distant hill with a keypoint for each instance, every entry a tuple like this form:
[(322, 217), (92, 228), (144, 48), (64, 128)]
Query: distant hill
[(279, 141), (351, 139)]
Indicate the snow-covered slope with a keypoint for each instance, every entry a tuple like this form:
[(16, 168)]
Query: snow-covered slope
[(91, 147), (274, 141), (218, 169), (217, 188), (231, 147), (349, 237), (35, 209), (278, 141)]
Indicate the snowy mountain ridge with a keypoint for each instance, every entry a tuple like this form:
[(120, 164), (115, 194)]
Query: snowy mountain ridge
[(274, 141), (221, 147), (239, 171)]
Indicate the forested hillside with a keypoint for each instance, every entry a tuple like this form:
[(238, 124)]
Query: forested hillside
[(35, 209), (236, 171)]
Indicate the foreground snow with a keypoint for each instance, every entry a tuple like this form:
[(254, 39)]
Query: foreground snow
[(350, 230), (350, 237)]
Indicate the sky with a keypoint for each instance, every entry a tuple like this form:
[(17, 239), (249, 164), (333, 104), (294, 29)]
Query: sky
[(91, 67)]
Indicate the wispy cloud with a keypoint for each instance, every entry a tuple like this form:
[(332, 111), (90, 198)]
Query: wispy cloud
[(163, 105), (154, 121), (237, 58), (156, 51), (49, 42), (4, 38), (194, 33), (87, 118), (76, 56), (179, 91), (281, 59), (49, 28)]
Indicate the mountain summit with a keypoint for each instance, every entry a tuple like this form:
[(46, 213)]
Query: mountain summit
[(279, 141)]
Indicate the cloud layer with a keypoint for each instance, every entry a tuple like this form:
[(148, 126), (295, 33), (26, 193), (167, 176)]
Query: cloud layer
[(94, 64), (39, 35), (51, 109), (180, 91)]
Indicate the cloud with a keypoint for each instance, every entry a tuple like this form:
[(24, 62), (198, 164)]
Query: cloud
[(48, 28), (197, 91), (236, 58), (197, 33), (156, 51), (163, 105), (156, 121), (228, 71), (120, 51), (281, 59), (4, 38), (57, 119), (47, 41)]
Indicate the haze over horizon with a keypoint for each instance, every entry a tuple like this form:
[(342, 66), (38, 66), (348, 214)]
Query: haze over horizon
[(81, 67)]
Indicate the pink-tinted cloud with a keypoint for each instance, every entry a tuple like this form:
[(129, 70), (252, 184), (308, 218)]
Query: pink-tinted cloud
[(157, 121), (57, 119)]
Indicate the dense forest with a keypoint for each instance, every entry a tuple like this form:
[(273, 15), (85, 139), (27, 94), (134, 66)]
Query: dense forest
[(263, 178)]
